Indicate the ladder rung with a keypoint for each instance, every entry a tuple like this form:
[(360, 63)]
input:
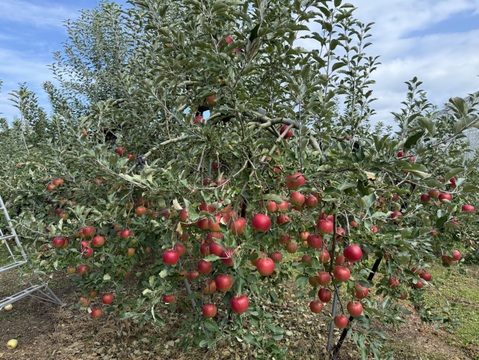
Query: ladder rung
[(12, 266), (6, 237), (20, 295)]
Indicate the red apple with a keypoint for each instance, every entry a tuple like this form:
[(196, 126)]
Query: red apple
[(316, 306), (216, 249), (456, 255), (193, 275), (433, 193), (239, 304), (209, 287), (444, 197), (237, 226), (84, 301), (171, 257), (261, 222), (295, 181), (360, 291), (87, 252), (324, 278), (467, 208), (355, 308), (315, 241), (265, 266), (284, 129), (98, 241), (425, 198), (141, 210), (209, 310), (325, 226), (88, 231), (224, 282), (96, 313), (204, 267), (169, 298), (292, 247), (58, 242), (107, 299), (125, 233), (311, 201), (324, 295), (341, 273), (393, 282), (181, 248), (296, 198), (276, 256), (341, 321), (353, 253)]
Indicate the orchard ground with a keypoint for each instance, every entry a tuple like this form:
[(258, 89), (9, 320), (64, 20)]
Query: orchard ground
[(46, 331)]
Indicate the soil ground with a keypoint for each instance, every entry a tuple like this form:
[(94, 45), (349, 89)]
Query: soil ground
[(47, 331)]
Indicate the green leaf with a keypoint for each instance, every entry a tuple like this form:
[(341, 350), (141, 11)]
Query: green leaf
[(412, 140)]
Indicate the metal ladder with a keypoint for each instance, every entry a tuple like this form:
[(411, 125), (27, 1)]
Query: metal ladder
[(18, 259)]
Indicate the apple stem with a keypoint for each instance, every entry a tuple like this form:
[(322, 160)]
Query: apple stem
[(335, 350)]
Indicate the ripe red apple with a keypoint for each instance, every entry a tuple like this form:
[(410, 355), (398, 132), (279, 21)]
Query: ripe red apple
[(209, 287), (271, 206), (211, 100), (169, 298), (433, 193), (325, 226), (341, 321), (292, 247), (341, 273), (58, 242), (216, 249), (98, 241), (311, 201), (425, 198), (237, 226), (224, 282), (418, 285), (87, 252), (171, 257), (96, 313), (193, 275), (393, 282), (426, 275), (265, 266), (227, 257), (209, 310), (374, 229), (276, 256), (295, 181), (214, 235), (107, 299), (204, 267), (467, 208), (285, 239), (340, 259), (283, 206), (120, 151), (239, 304), (141, 210), (83, 269), (306, 259), (324, 278), (353, 253), (396, 214), (84, 301), (284, 129), (261, 222), (360, 291), (355, 308), (400, 154), (181, 248), (444, 197), (316, 306), (315, 241), (283, 219), (125, 233), (205, 249), (456, 255), (88, 231), (324, 295), (324, 256), (296, 198)]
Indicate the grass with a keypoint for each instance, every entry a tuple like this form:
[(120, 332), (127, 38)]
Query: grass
[(458, 295)]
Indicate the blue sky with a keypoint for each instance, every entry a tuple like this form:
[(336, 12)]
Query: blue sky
[(436, 40)]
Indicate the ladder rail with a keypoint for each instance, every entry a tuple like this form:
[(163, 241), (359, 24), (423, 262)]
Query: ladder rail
[(40, 291)]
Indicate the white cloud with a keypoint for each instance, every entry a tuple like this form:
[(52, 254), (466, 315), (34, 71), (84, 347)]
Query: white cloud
[(38, 13), (447, 63)]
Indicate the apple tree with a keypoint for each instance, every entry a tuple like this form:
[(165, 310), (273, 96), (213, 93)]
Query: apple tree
[(219, 153)]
